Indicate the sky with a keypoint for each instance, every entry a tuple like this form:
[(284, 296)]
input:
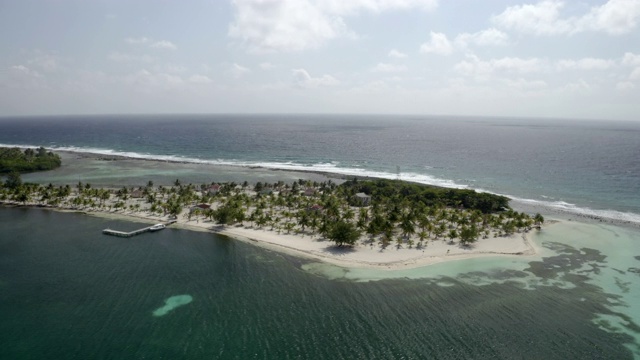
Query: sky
[(549, 58)]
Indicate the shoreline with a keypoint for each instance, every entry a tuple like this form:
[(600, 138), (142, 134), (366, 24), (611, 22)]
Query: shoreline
[(362, 255), (517, 204)]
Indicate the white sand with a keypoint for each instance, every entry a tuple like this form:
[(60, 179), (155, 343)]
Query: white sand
[(363, 255)]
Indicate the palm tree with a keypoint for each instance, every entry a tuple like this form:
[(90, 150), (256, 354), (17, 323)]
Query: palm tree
[(289, 226), (422, 235), (452, 235), (23, 196), (348, 214), (387, 236), (303, 219), (407, 226)]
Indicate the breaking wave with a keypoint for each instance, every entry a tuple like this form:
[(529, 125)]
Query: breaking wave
[(334, 168)]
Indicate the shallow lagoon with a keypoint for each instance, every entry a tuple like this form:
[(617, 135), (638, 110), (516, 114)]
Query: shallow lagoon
[(68, 292)]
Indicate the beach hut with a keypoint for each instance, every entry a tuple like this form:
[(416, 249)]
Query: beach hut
[(310, 192), (213, 189), (363, 199), (315, 208), (199, 208)]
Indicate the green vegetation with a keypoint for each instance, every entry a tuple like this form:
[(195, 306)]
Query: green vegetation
[(398, 213), (419, 194), (15, 160), (344, 233)]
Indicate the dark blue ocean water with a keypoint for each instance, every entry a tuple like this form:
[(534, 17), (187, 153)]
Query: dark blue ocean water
[(584, 166)]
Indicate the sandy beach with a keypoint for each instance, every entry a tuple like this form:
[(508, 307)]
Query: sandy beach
[(362, 255)]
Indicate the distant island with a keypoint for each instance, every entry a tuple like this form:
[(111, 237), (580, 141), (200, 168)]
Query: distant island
[(13, 159), (421, 223)]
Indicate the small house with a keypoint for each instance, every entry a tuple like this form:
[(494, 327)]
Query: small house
[(363, 199), (310, 192), (213, 189), (199, 207)]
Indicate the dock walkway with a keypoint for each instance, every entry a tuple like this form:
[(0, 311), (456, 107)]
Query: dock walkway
[(132, 233)]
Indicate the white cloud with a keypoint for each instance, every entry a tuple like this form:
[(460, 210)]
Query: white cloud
[(199, 79), (625, 86), (541, 18), (22, 77), (488, 37), (585, 64), (296, 25), (23, 70), (382, 67), (140, 40), (145, 81), (238, 70), (544, 18), (289, 25), (526, 85), (266, 66), (396, 54), (44, 61), (163, 44), (123, 57), (302, 78), (474, 66), (581, 86), (345, 7), (615, 17), (438, 44), (631, 59), (172, 68)]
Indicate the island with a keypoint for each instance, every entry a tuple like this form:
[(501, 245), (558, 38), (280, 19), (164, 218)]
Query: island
[(14, 161), (376, 223)]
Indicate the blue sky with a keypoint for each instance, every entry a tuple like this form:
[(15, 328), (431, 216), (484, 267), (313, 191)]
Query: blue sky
[(550, 58)]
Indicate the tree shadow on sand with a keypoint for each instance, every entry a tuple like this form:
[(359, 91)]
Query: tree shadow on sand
[(339, 250)]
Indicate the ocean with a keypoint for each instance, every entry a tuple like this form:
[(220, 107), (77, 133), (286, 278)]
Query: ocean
[(588, 167), (69, 292)]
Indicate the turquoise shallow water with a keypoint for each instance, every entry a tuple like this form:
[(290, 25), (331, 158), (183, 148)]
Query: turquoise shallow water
[(69, 292)]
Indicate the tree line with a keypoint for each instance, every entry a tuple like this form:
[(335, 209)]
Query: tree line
[(407, 215), (14, 160)]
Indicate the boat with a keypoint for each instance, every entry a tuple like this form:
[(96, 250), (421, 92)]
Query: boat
[(157, 227)]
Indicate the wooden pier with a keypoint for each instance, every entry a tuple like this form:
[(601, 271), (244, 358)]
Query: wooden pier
[(132, 233)]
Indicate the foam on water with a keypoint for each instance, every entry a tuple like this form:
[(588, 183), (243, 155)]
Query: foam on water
[(574, 209), (334, 167), (329, 167)]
